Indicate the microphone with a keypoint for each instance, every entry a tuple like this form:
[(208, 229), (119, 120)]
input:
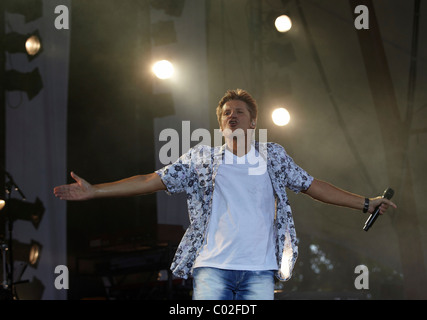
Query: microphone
[(388, 194)]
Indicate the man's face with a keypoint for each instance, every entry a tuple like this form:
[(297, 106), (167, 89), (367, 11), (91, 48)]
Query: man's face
[(235, 114)]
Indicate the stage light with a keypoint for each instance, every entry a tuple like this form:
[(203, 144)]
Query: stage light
[(29, 44), (31, 290), (30, 82), (33, 45), (2, 203), (27, 252), (281, 117), (163, 69), (23, 210), (283, 23)]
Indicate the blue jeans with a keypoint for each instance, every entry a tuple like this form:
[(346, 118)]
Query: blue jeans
[(219, 284)]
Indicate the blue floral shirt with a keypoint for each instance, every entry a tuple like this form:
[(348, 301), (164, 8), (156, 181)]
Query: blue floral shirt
[(194, 173)]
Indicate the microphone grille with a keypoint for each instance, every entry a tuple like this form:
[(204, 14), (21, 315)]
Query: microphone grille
[(388, 194)]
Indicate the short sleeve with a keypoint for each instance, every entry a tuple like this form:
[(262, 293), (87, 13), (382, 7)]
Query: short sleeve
[(297, 179), (176, 175)]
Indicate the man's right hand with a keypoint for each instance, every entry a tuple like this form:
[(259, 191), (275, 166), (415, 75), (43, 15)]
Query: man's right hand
[(133, 186), (80, 190)]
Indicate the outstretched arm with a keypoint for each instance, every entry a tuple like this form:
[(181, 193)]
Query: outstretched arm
[(328, 193), (133, 186)]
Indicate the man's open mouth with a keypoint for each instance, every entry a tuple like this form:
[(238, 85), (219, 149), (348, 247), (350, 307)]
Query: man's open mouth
[(232, 123)]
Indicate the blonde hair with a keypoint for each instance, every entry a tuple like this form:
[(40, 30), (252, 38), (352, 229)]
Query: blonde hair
[(238, 94)]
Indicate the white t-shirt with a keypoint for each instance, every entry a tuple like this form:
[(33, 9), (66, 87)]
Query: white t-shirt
[(240, 232)]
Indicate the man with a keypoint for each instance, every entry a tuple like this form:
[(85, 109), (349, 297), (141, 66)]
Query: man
[(241, 229)]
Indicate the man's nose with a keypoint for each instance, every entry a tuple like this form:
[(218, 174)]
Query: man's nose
[(233, 114)]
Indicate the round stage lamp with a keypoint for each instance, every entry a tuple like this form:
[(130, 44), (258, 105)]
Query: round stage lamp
[(281, 117), (30, 44), (33, 45), (163, 69), (27, 252), (34, 254), (283, 23)]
